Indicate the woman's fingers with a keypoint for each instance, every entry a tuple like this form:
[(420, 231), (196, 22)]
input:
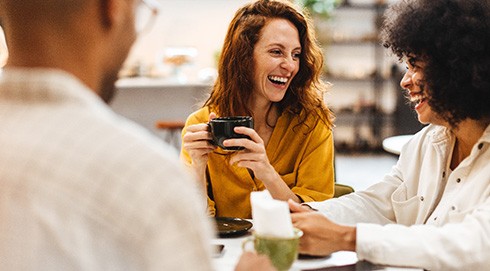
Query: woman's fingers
[(249, 132), (197, 132), (196, 140), (196, 137), (197, 128), (295, 207), (254, 144), (212, 115), (198, 145)]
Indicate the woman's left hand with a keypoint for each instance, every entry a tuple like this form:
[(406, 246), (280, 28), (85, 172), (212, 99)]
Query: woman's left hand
[(253, 156), (321, 236)]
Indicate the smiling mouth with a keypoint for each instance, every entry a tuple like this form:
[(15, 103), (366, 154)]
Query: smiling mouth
[(278, 80), (417, 98)]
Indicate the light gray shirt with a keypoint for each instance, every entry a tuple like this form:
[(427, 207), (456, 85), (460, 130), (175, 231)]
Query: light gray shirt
[(84, 189), (421, 214)]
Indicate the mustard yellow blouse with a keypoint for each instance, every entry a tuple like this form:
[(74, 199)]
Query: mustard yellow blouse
[(303, 159)]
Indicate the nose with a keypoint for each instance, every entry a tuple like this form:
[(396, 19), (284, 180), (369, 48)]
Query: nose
[(406, 81), (289, 64)]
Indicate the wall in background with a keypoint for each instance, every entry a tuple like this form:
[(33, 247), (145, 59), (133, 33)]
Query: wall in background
[(201, 24)]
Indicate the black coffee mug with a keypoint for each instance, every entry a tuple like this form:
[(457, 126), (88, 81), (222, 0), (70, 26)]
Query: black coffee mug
[(223, 128)]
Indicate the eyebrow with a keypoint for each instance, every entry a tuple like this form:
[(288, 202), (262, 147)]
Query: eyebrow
[(412, 60), (282, 46)]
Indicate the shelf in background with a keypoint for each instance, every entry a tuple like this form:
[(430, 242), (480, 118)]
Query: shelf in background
[(352, 42), (351, 118), (331, 78), (356, 63), (368, 6)]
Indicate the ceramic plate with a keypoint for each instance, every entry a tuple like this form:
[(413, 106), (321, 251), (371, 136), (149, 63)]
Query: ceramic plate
[(230, 226)]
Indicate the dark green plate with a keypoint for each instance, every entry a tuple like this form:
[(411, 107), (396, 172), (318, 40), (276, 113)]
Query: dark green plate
[(230, 226)]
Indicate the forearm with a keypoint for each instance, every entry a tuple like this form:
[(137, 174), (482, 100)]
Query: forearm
[(279, 189), (198, 171), (200, 174)]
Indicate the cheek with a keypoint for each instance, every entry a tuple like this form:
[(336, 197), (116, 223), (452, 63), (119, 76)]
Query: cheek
[(297, 67), (295, 71), (418, 77)]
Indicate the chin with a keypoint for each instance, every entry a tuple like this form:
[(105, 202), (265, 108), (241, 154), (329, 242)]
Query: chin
[(423, 119), (424, 122), (277, 98)]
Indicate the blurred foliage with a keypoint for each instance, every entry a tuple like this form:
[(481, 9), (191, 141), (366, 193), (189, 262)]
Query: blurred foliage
[(321, 8)]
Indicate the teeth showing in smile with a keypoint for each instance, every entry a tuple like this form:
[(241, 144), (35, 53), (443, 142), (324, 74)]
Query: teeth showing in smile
[(278, 80), (418, 98)]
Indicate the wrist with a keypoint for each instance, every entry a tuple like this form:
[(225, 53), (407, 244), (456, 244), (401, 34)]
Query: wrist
[(199, 167), (271, 177), (349, 238)]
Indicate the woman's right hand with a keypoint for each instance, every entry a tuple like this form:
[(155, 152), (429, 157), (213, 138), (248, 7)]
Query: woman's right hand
[(197, 143), (250, 261)]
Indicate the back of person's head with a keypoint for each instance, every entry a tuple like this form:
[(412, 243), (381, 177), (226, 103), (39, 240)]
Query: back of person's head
[(87, 38), (39, 12), (236, 65), (452, 38)]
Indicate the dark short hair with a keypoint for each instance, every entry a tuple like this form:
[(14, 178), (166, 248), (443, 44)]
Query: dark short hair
[(452, 37)]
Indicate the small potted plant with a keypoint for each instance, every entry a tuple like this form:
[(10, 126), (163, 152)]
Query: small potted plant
[(319, 9)]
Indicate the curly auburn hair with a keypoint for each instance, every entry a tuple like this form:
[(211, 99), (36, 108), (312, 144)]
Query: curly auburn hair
[(452, 38), (232, 90)]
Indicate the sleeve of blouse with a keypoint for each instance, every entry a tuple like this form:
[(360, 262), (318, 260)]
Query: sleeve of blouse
[(315, 177), (454, 246)]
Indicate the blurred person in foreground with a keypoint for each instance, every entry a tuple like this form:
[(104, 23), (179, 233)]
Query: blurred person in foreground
[(4, 53), (432, 210), (269, 69), (81, 187)]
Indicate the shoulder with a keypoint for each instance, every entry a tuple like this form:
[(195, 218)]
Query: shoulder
[(120, 145), (423, 142), (429, 134), (144, 166)]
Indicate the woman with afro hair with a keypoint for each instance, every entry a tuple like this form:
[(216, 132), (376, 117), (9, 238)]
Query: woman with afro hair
[(432, 211)]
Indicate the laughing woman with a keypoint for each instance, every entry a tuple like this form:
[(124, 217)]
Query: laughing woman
[(432, 211), (269, 69)]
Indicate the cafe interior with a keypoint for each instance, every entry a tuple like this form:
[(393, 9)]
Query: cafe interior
[(172, 66)]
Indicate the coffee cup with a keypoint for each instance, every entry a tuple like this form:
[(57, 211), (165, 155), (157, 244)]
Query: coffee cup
[(281, 251), (222, 128)]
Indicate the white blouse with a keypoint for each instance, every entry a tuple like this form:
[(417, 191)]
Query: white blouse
[(421, 214), (84, 189)]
